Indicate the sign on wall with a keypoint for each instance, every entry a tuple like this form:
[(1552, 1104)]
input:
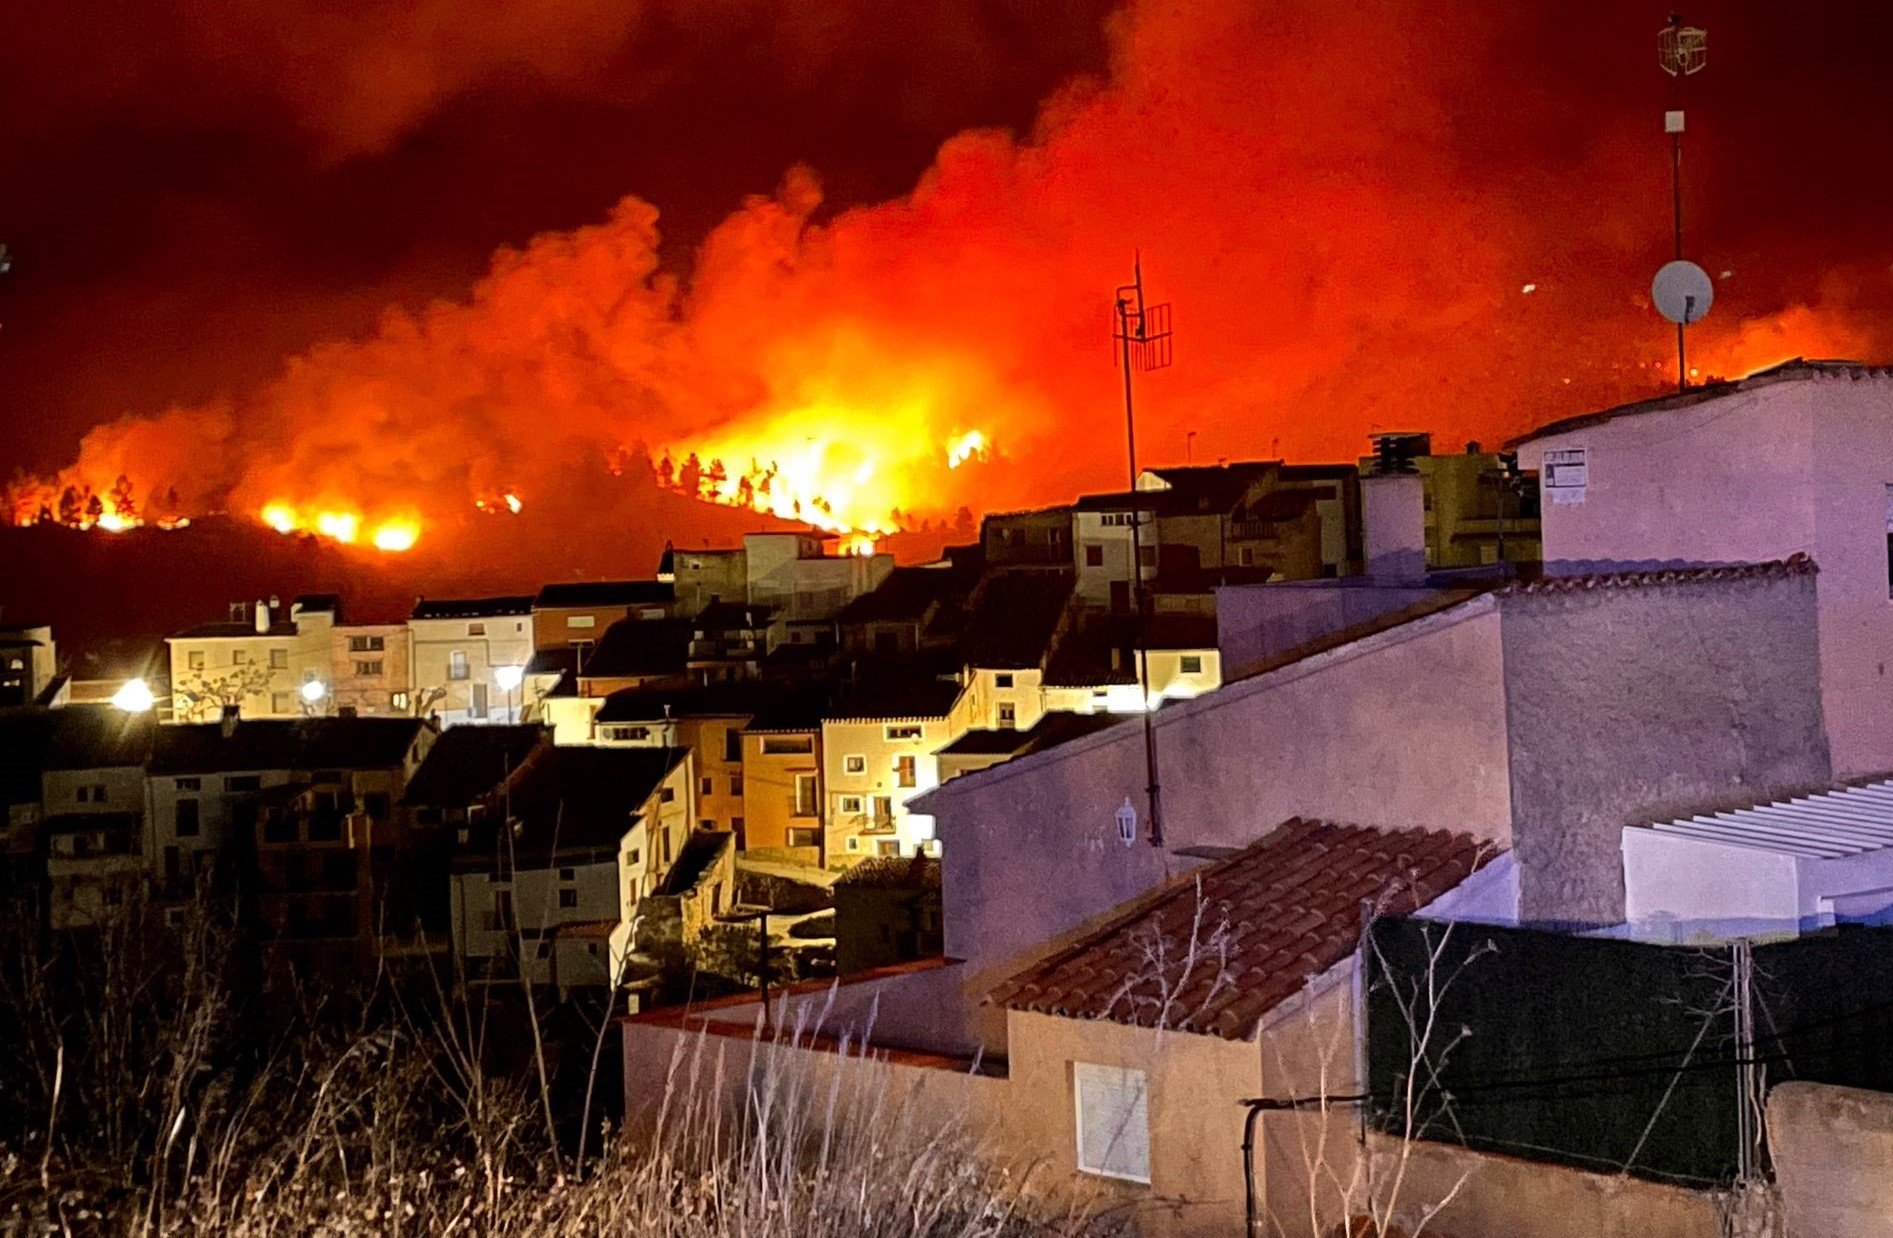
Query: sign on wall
[(1567, 473)]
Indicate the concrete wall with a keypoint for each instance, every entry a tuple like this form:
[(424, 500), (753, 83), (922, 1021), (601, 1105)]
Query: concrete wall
[(769, 790), (1832, 1148), (1406, 728), (919, 1007), (506, 641), (1257, 622), (370, 695), (1757, 474), (1635, 704), (1393, 516)]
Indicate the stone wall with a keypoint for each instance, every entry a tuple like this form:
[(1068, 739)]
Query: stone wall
[(1833, 1157)]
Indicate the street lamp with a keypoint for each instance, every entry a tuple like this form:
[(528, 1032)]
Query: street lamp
[(313, 690), (509, 679), (135, 697)]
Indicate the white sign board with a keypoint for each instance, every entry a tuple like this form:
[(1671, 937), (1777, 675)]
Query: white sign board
[(1567, 473)]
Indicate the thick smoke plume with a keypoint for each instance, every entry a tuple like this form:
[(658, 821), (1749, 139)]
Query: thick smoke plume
[(1358, 221)]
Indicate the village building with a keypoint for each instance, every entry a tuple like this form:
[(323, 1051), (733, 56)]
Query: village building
[(92, 794), (265, 661), (783, 798), (469, 658), (29, 666), (573, 615), (880, 744)]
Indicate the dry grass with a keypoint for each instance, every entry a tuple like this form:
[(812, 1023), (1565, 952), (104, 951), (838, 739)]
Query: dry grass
[(141, 1096)]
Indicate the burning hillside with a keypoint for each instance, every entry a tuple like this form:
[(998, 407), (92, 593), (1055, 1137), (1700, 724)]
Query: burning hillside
[(1326, 194)]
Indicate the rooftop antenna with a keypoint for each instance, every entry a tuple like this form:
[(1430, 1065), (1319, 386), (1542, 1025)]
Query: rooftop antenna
[(1143, 335), (1681, 290)]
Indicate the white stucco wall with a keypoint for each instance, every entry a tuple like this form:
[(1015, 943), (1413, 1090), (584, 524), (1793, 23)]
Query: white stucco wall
[(1761, 473), (507, 641)]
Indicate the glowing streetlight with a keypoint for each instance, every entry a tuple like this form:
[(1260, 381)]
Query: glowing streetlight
[(135, 697), (314, 690), (509, 677)]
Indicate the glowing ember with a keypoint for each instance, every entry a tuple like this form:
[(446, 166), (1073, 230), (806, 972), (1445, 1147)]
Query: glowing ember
[(395, 534), (971, 445)]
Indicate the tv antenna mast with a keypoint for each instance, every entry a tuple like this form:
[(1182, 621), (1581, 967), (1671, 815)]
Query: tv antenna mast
[(1142, 331), (1682, 290)]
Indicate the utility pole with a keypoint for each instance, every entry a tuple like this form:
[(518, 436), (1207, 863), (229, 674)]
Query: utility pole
[(1682, 51), (1143, 333)]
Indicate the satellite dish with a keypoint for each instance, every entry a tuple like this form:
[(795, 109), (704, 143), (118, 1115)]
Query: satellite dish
[(1683, 292)]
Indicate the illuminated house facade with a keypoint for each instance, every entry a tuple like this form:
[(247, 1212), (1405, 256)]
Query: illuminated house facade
[(260, 662), (465, 650)]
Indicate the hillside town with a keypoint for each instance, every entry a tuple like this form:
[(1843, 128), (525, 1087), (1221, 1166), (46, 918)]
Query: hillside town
[(1470, 835)]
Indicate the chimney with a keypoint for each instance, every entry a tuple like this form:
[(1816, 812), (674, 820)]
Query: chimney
[(262, 616), (1393, 516), (229, 720)]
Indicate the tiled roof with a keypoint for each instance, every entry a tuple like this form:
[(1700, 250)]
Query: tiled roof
[(583, 799), (286, 744), (1787, 371), (466, 762), (722, 700), (1273, 916), (893, 872), (910, 593), (471, 608), (605, 593), (634, 648), (1774, 569), (1016, 612), (98, 737), (893, 697), (1052, 730)]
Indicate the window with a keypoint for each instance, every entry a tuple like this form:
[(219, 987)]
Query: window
[(883, 812), (887, 846), (398, 700), (1245, 556), (706, 785), (1008, 716), (851, 804), (1115, 520), (1191, 664), (239, 657), (736, 784), (633, 856), (705, 823), (187, 784), (581, 621), (803, 837), (476, 629), (904, 731), (187, 819), (195, 659), (1113, 1121), (279, 659), (568, 899), (732, 745), (92, 793), (368, 668), (786, 745), (1003, 680), (366, 644), (805, 795), (1094, 555), (457, 664), (854, 764), (628, 734), (477, 709), (667, 795), (905, 772), (279, 703)]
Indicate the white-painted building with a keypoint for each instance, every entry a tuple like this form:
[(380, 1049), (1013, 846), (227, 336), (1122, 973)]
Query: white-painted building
[(1796, 459), (258, 661), (470, 657), (1783, 868), (880, 749)]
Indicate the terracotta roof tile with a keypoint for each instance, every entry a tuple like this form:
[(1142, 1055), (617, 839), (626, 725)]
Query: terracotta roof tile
[(1797, 564), (1270, 917)]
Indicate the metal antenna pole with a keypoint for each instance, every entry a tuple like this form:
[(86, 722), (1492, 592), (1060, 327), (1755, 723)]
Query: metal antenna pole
[(1146, 328), (1682, 51)]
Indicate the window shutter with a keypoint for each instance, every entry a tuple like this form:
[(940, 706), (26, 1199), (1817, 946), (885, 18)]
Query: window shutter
[(1113, 1121)]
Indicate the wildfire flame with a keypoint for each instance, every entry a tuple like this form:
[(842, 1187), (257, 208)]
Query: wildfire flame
[(390, 533)]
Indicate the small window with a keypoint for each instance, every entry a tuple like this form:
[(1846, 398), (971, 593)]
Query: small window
[(905, 772), (478, 707), (1008, 716), (476, 629), (568, 874), (787, 745), (1113, 1121), (398, 700), (667, 795), (706, 785), (279, 659), (457, 664), (195, 659), (632, 856), (851, 803), (1002, 680), (239, 657), (568, 899), (732, 745), (887, 846), (853, 764), (581, 621), (1094, 555), (1191, 664), (279, 703), (736, 784), (187, 784), (366, 644), (803, 837), (1245, 556), (805, 797), (188, 819), (369, 668), (904, 731)]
